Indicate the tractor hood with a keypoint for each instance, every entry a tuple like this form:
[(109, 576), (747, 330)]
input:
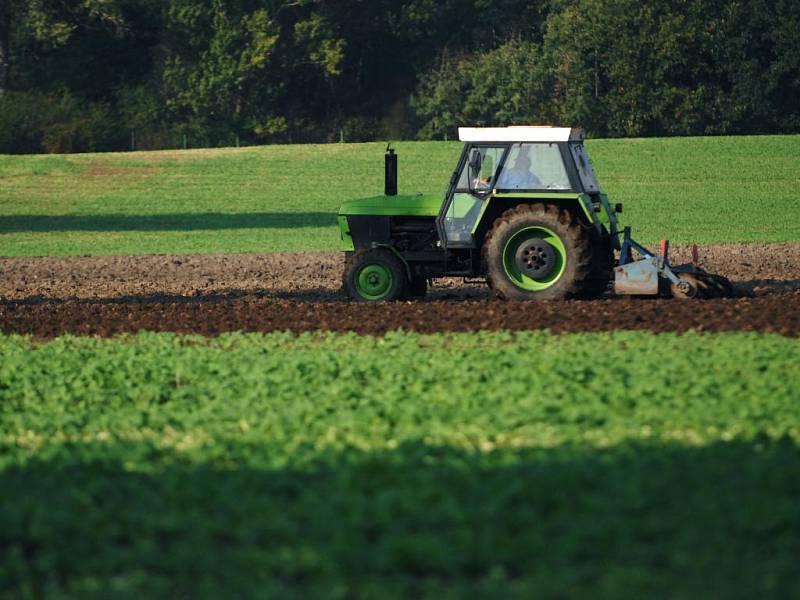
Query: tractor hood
[(410, 206)]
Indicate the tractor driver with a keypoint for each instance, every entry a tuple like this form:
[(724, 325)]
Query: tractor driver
[(520, 176)]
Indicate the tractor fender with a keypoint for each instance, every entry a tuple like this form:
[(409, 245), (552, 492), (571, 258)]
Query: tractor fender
[(394, 251), (345, 238), (497, 203), (584, 201)]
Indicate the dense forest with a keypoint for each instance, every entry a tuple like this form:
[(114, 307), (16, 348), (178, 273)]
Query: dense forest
[(84, 75)]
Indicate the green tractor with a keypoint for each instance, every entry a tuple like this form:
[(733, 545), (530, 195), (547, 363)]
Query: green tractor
[(524, 211)]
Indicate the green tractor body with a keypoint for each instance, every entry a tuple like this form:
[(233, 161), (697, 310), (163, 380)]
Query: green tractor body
[(523, 210)]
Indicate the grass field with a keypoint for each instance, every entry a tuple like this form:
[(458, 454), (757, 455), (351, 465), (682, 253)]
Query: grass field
[(407, 465), (284, 198)]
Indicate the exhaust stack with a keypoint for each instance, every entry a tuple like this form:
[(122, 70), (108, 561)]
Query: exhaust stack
[(390, 185)]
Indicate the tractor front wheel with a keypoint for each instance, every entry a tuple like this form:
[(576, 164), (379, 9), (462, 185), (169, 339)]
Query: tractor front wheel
[(374, 274), (536, 252)]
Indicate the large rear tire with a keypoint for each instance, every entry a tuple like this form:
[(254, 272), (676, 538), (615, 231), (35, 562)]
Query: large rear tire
[(374, 274), (536, 252)]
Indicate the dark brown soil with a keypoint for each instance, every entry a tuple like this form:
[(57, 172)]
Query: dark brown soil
[(115, 276), (314, 275), (778, 313), (103, 296)]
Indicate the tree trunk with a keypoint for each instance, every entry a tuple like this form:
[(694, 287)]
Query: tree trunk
[(3, 67), (5, 36)]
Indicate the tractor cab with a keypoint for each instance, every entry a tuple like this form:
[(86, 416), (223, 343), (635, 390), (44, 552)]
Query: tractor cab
[(517, 162)]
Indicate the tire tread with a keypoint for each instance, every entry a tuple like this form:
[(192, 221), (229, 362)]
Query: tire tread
[(557, 218)]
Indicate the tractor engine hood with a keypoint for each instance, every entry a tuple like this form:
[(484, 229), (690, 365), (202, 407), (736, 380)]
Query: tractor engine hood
[(409, 206)]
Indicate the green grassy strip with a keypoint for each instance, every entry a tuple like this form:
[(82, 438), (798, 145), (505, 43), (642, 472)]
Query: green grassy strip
[(284, 198), (528, 464)]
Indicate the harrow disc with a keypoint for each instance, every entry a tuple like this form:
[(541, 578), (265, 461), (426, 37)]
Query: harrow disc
[(701, 285)]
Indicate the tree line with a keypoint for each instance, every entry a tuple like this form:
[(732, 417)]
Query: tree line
[(93, 75)]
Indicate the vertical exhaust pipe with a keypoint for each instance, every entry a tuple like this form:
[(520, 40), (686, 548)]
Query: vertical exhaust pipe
[(390, 183)]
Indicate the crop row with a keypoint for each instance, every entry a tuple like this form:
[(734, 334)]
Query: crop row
[(611, 464)]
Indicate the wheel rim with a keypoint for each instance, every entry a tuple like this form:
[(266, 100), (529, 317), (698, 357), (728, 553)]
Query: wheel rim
[(374, 281), (516, 258)]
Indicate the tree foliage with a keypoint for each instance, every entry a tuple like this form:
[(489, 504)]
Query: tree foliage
[(632, 68), (675, 67), (501, 87), (304, 70)]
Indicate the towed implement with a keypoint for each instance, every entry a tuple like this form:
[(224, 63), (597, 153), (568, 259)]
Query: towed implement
[(525, 212)]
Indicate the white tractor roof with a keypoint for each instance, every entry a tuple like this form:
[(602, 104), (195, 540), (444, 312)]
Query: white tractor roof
[(525, 133)]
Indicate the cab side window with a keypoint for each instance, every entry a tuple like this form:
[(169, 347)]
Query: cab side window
[(534, 167)]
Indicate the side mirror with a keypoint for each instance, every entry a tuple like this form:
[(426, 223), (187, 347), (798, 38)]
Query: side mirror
[(475, 163)]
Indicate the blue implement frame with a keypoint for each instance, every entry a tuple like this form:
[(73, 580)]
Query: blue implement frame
[(629, 244)]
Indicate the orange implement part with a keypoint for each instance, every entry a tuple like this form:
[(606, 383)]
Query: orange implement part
[(665, 250)]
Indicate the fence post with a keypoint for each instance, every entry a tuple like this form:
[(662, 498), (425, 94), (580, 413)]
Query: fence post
[(133, 141), (341, 136), (184, 141), (237, 140)]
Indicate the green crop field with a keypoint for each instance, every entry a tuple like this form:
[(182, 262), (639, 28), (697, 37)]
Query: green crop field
[(401, 466), (284, 198)]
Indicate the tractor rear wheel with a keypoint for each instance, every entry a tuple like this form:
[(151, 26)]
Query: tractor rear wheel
[(374, 274), (536, 252)]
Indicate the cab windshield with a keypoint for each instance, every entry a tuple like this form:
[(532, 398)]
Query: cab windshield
[(484, 179), (473, 187)]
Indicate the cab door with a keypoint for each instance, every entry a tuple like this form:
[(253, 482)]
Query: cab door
[(479, 167)]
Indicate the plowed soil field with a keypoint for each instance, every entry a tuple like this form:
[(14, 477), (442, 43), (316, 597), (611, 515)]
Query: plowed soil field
[(105, 296)]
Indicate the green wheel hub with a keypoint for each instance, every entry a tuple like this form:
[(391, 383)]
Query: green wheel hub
[(539, 248), (374, 281)]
